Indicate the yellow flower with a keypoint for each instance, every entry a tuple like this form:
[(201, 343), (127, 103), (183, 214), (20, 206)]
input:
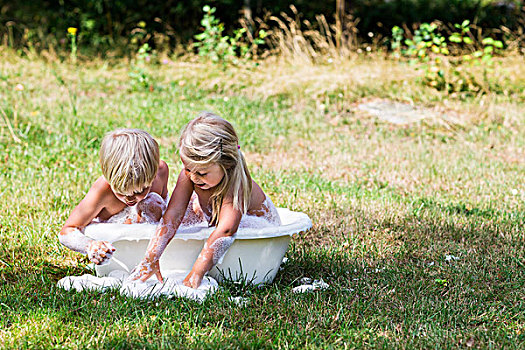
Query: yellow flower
[(72, 30)]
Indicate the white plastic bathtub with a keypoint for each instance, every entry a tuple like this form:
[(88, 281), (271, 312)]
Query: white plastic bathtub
[(255, 255)]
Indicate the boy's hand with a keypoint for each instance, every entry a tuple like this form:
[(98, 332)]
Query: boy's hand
[(100, 252), (145, 270)]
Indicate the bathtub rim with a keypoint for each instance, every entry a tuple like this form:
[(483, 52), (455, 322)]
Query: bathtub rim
[(300, 223)]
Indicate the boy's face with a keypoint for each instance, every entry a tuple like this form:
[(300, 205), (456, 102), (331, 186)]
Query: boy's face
[(204, 177), (133, 198)]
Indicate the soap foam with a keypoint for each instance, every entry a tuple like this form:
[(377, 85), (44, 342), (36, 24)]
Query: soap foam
[(88, 282), (172, 286), (250, 227), (152, 206), (76, 241), (220, 246)]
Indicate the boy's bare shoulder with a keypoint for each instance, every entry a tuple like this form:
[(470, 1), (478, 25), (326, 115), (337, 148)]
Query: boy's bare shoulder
[(101, 189), (163, 169)]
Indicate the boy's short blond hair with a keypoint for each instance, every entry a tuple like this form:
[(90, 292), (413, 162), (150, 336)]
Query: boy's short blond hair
[(129, 159)]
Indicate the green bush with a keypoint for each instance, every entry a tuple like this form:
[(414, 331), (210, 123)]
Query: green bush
[(110, 25)]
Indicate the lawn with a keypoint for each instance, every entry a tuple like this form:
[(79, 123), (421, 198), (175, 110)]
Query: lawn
[(389, 202)]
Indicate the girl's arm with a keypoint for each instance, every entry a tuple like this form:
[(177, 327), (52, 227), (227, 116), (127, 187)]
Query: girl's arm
[(70, 234), (217, 244), (166, 229)]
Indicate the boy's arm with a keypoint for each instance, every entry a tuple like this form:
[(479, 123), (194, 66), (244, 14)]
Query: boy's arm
[(70, 234), (166, 229), (151, 208), (217, 244)]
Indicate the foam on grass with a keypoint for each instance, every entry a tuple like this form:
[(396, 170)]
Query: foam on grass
[(172, 286)]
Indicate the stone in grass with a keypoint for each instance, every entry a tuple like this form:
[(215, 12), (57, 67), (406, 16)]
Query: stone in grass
[(400, 113)]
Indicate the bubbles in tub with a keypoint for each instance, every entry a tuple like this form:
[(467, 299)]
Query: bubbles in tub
[(194, 215), (127, 215), (251, 221), (265, 216), (150, 209)]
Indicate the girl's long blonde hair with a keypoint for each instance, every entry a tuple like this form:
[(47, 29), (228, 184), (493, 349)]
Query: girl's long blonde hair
[(210, 139)]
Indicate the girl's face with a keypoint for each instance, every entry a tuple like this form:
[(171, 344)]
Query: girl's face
[(204, 177), (133, 198)]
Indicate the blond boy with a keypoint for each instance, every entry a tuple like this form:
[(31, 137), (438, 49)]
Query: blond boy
[(133, 175)]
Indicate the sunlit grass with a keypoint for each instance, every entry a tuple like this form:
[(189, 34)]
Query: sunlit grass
[(388, 203)]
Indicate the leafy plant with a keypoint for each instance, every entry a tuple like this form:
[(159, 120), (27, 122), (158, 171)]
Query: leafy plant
[(397, 40), (463, 35), (141, 79), (425, 40), (220, 48), (490, 47), (442, 70)]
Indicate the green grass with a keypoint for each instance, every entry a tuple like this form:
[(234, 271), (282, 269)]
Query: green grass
[(388, 203)]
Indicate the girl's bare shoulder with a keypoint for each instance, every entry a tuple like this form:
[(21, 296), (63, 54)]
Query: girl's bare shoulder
[(258, 196)]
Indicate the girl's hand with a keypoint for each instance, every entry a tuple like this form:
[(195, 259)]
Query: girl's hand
[(193, 280), (100, 252), (145, 270)]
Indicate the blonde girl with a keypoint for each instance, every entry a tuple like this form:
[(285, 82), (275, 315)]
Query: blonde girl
[(214, 185)]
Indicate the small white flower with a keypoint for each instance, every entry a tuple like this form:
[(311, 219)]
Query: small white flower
[(514, 192)]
